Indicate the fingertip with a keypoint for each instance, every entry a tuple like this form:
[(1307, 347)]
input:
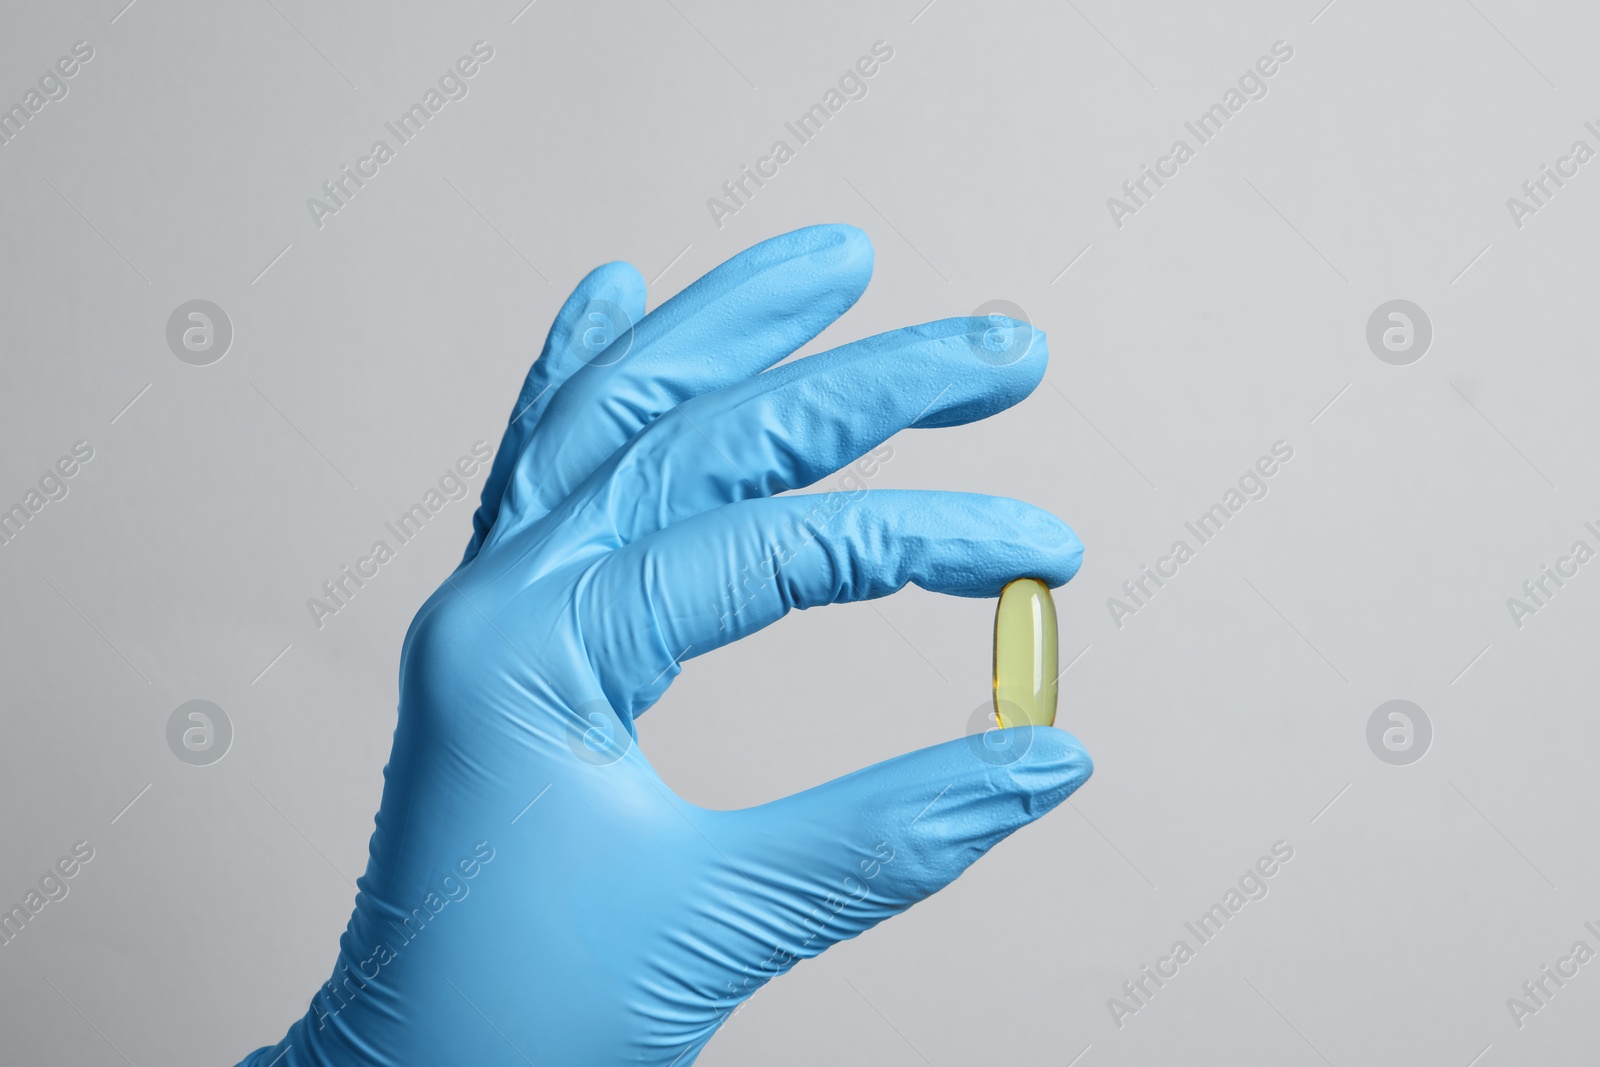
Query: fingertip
[(614, 272), (799, 282), (617, 281), (1057, 544), (1040, 348), (1003, 780), (1059, 754), (843, 250), (855, 246), (1009, 353), (1073, 561), (1035, 358), (1054, 767), (1009, 342)]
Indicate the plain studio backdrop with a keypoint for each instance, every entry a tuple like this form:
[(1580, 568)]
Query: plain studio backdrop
[(1439, 861)]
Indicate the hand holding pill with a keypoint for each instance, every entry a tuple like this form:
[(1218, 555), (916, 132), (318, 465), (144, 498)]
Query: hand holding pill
[(639, 513)]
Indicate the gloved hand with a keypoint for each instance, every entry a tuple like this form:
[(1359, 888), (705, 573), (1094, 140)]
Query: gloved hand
[(534, 892)]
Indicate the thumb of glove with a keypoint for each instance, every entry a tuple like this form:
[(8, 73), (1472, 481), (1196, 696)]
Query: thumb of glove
[(829, 863)]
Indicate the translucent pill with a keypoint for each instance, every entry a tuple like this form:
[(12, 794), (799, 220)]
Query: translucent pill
[(1025, 655)]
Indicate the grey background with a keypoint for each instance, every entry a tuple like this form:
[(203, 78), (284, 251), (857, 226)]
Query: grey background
[(1227, 314)]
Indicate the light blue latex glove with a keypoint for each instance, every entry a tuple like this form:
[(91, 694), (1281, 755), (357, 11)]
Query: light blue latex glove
[(629, 523)]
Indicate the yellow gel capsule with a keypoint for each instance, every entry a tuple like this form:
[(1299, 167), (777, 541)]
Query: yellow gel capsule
[(1025, 655)]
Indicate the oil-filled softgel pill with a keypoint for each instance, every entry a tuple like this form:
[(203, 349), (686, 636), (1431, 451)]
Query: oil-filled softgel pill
[(1025, 655)]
